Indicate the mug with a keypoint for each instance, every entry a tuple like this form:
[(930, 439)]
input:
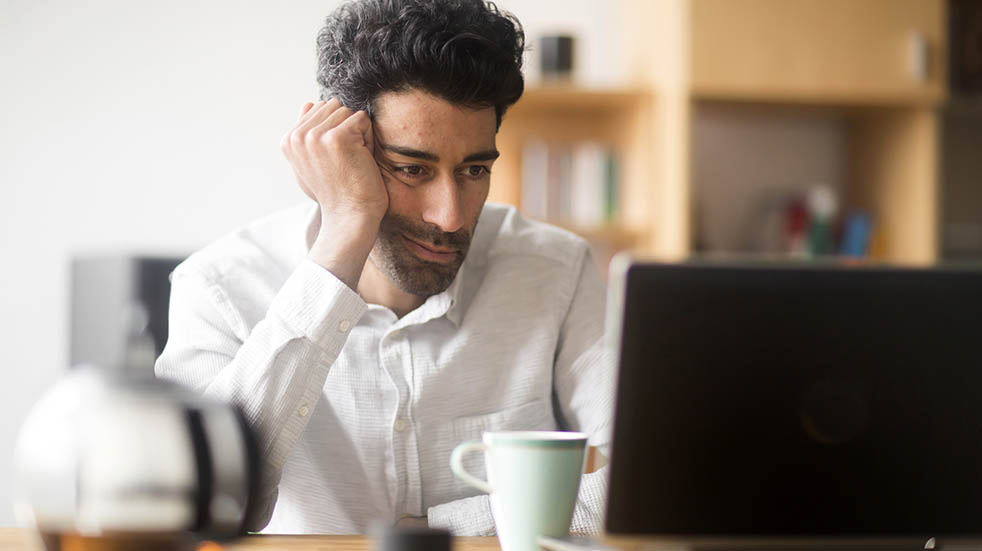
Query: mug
[(533, 481)]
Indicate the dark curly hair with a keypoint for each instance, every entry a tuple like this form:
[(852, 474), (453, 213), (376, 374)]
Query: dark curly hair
[(467, 52)]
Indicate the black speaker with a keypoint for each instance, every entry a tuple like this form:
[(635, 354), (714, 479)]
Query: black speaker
[(556, 58)]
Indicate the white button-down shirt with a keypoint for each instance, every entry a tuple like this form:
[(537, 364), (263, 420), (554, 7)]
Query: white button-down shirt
[(357, 410)]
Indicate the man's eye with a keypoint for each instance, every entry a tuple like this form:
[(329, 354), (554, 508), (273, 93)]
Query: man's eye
[(413, 171), (476, 171)]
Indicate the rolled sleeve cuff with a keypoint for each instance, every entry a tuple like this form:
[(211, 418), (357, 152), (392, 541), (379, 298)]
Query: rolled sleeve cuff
[(465, 517), (318, 305)]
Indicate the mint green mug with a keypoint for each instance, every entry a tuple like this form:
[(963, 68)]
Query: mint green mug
[(533, 480)]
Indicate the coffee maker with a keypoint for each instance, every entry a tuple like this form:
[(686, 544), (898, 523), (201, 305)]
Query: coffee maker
[(111, 458)]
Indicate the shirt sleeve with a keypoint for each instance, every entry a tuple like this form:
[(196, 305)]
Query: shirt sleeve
[(584, 379), (274, 371), (584, 383), (470, 516), (584, 374)]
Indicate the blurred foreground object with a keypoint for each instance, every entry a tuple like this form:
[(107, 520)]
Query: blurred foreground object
[(115, 459), (113, 296), (396, 538)]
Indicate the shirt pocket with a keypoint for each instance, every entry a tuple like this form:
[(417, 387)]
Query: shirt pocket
[(534, 415)]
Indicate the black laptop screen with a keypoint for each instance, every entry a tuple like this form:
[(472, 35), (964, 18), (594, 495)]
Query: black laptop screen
[(798, 401)]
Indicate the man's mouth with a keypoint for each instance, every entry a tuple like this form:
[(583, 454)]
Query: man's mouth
[(429, 252)]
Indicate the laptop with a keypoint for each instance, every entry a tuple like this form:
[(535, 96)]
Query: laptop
[(791, 406)]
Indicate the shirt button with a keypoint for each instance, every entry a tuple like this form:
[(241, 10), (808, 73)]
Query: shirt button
[(303, 410), (400, 424), (344, 326)]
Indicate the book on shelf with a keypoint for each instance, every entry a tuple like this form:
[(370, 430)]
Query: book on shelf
[(535, 170), (574, 184)]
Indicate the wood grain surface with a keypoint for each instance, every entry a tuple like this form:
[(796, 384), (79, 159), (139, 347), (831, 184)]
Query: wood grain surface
[(16, 539)]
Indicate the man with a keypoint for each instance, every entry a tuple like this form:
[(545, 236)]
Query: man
[(368, 334)]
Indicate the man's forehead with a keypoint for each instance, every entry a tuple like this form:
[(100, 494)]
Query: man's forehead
[(422, 121), (414, 101)]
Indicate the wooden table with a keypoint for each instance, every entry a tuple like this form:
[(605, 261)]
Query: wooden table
[(16, 539)]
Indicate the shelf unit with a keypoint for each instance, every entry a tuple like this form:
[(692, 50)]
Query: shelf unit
[(877, 66), (619, 119)]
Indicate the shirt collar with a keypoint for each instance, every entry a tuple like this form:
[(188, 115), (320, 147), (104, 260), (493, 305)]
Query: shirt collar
[(455, 308), (446, 303)]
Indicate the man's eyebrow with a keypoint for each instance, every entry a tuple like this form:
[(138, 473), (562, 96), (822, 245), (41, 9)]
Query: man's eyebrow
[(410, 152), (489, 155)]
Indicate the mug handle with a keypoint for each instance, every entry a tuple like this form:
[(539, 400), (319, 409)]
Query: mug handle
[(457, 465)]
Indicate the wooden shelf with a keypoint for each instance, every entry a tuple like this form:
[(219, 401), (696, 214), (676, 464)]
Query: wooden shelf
[(570, 98), (819, 50), (609, 234), (818, 97)]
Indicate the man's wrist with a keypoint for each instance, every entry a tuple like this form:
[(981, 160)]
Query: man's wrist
[(342, 246)]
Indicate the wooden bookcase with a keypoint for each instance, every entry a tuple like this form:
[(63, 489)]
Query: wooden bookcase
[(876, 65), (617, 118)]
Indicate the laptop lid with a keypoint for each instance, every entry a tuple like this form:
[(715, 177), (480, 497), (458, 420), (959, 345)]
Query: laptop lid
[(796, 401)]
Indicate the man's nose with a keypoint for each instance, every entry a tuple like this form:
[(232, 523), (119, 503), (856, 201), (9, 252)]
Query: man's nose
[(442, 206)]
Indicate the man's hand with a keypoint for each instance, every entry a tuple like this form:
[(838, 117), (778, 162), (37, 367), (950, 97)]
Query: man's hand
[(331, 151), (595, 460)]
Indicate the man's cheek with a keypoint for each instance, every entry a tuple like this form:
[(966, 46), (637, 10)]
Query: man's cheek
[(476, 198), (401, 196)]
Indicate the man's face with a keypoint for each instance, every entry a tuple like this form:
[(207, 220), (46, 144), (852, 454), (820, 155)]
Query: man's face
[(435, 158)]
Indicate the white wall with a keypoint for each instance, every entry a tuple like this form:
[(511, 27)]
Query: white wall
[(151, 127)]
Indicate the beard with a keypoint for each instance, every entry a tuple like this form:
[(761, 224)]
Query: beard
[(408, 272)]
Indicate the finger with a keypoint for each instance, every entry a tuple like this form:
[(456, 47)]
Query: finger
[(313, 111), (308, 116), (360, 123), (339, 115), (317, 114), (303, 110), (370, 138)]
